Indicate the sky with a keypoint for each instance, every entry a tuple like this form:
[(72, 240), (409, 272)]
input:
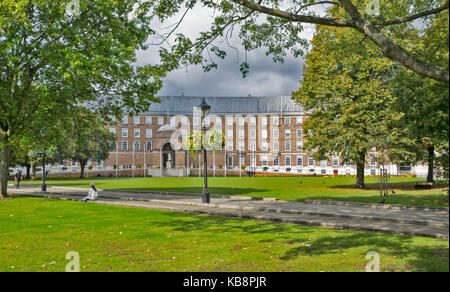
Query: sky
[(266, 78)]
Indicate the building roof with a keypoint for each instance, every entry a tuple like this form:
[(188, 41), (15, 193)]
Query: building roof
[(184, 105)]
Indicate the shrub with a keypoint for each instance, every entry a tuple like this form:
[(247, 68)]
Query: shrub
[(90, 167), (220, 166)]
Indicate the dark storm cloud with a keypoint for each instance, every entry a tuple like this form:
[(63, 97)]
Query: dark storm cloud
[(266, 78)]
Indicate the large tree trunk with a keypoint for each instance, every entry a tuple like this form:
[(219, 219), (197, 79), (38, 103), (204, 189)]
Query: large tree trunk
[(5, 159), (28, 167), (33, 171), (83, 166), (360, 164), (430, 177)]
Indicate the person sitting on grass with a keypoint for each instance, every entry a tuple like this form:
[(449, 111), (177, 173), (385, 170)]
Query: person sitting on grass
[(93, 194)]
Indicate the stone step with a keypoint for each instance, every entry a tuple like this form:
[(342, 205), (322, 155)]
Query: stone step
[(378, 206)]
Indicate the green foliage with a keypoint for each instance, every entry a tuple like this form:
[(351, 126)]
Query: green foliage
[(345, 86)]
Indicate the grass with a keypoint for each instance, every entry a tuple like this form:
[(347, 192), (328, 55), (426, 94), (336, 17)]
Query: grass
[(36, 234), (283, 188)]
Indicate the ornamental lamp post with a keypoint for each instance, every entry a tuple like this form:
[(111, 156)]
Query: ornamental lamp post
[(205, 108)]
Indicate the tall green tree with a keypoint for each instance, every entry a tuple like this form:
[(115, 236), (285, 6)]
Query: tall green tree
[(425, 102), (345, 89), (51, 59), (87, 138)]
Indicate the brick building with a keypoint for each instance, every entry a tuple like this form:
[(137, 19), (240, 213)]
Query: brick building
[(262, 134)]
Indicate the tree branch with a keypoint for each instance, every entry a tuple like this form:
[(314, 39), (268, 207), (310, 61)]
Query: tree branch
[(295, 17), (414, 16)]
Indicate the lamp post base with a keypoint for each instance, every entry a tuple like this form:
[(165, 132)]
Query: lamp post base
[(206, 199), (44, 188)]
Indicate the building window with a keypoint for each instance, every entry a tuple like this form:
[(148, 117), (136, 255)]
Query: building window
[(229, 121), (241, 146), (253, 133), (230, 134), (252, 146), (136, 120), (253, 161), (241, 121), (230, 161), (276, 146), (148, 133), (264, 161), (112, 118), (253, 121), (124, 145), (124, 132), (275, 121), (288, 134), (172, 121), (241, 160), (264, 134), (287, 121), (207, 122), (160, 120), (264, 121), (230, 146), (137, 133), (148, 146), (373, 172), (288, 146), (264, 146), (323, 171), (373, 161), (311, 161), (74, 163), (218, 122), (184, 121), (112, 130), (124, 120), (276, 161), (299, 161), (299, 146), (276, 133), (335, 161), (323, 163), (137, 145), (241, 134), (288, 160), (299, 133), (299, 120), (148, 120)]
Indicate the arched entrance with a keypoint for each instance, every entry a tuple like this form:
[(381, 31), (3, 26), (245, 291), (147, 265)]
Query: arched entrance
[(168, 156)]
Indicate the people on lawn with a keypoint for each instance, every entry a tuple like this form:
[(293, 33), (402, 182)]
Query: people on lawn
[(18, 178), (93, 194)]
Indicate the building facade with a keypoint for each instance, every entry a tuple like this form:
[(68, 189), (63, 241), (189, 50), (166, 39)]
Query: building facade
[(262, 134)]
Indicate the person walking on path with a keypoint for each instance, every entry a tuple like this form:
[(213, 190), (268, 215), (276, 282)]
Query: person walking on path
[(18, 178), (93, 194)]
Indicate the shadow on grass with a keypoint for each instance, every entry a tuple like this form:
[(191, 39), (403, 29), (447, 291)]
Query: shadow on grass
[(419, 257), (409, 186)]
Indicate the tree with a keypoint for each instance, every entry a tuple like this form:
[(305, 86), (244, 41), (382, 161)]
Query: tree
[(345, 88), (426, 102), (50, 59), (87, 138), (284, 19)]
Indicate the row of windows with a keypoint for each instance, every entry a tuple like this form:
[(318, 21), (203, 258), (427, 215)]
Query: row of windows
[(230, 133), (229, 121), (264, 146), (137, 145), (276, 161)]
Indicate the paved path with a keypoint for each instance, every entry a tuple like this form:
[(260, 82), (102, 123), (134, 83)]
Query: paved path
[(429, 222)]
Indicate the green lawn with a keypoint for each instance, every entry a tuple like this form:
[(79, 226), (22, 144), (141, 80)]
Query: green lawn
[(284, 188), (36, 234)]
